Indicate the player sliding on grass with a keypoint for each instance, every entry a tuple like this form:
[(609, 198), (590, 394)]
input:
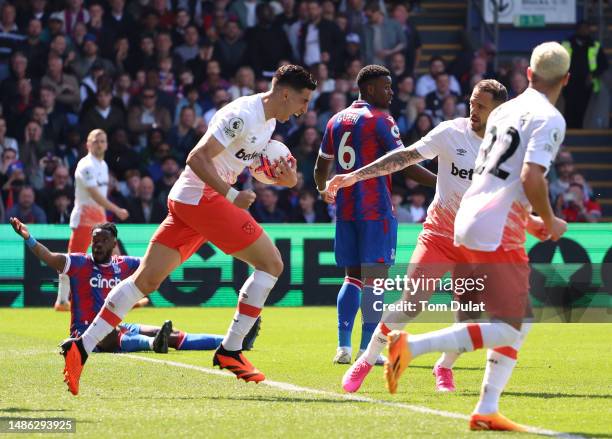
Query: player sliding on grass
[(203, 206), (91, 278), (522, 139), (366, 229)]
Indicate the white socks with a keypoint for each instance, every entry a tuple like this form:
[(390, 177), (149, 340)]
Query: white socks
[(63, 289), (253, 295), (119, 301), (463, 338), (500, 364)]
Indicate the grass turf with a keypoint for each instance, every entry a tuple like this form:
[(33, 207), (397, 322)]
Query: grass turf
[(563, 382)]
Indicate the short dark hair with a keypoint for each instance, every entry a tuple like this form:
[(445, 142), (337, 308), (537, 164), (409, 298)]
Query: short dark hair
[(109, 227), (495, 88), (372, 6), (296, 77), (370, 72)]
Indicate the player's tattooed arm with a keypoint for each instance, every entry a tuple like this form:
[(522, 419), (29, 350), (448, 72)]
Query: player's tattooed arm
[(389, 163), (57, 261)]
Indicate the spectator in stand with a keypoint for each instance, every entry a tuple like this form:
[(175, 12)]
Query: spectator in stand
[(189, 49), (103, 115), (427, 83), (145, 58), (148, 115), (14, 179), (309, 209), (267, 43), (18, 111), (398, 196), (55, 125), (246, 11), (163, 48), (121, 154), (32, 150), (145, 209), (66, 86), (214, 80), (435, 100), (7, 142), (244, 84), (575, 208), (417, 207), (190, 99), (589, 62), (230, 49), (320, 40), (10, 36), (450, 110), (564, 167), (518, 84), (337, 103), (412, 52), (579, 178), (220, 99), (129, 187), (183, 136), (90, 57), (73, 14), (402, 97), (352, 48), (397, 67), (478, 67), (60, 181), (122, 91), (381, 37), (34, 48), (265, 209), (181, 21), (118, 22), (60, 207), (35, 10), (170, 172), (26, 210), (18, 71), (8, 158), (422, 125), (306, 154)]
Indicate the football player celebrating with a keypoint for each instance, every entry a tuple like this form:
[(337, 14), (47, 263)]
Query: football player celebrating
[(203, 206)]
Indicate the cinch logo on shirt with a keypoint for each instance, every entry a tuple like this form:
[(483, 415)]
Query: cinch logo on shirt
[(99, 282), (462, 173), (246, 157)]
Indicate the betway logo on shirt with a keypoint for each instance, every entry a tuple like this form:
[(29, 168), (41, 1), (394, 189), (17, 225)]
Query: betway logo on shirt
[(242, 155), (466, 174), (100, 282)]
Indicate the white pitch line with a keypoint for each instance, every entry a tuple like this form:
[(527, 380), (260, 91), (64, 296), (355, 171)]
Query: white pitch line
[(288, 387)]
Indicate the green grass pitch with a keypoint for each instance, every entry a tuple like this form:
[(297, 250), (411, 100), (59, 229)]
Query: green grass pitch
[(562, 383)]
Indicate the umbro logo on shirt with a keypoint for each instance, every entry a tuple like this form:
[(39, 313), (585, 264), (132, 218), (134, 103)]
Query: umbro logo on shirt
[(461, 151)]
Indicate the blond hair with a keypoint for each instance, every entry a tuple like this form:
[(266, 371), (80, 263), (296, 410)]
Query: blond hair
[(93, 134), (550, 61)]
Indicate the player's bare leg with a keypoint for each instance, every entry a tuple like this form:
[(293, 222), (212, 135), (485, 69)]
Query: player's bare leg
[(158, 262), (266, 259)]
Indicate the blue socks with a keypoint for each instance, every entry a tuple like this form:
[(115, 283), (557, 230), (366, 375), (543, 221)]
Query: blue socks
[(370, 314), (348, 305), (135, 342), (200, 342)]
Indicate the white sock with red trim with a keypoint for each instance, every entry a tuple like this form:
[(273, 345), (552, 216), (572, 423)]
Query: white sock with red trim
[(463, 338), (119, 301), (500, 364), (253, 295), (447, 359)]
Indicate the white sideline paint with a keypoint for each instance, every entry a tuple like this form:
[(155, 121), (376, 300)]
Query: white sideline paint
[(288, 387)]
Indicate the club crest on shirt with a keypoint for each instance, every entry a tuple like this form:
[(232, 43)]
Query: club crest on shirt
[(234, 127), (395, 131), (555, 136)]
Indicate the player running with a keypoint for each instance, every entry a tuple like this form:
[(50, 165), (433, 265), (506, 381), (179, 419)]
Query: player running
[(456, 144), (91, 278), (90, 205), (203, 206), (366, 228), (522, 138)]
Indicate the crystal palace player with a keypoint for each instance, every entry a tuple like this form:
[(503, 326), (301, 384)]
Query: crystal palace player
[(91, 278), (366, 229), (203, 206), (91, 187), (522, 138)]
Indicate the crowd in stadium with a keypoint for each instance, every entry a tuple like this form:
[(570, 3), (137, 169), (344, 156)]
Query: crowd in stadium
[(152, 73)]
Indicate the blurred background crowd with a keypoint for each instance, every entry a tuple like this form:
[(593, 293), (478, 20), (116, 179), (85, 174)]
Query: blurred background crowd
[(152, 74)]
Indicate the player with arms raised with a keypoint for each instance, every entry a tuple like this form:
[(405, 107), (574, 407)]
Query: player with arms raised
[(522, 139), (90, 205), (366, 229), (203, 206)]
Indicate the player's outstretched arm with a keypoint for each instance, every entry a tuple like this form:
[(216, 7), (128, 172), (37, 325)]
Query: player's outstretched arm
[(533, 178), (57, 261), (389, 163), (323, 167), (200, 160)]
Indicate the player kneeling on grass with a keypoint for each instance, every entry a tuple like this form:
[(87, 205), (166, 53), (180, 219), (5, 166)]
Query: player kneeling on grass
[(91, 278)]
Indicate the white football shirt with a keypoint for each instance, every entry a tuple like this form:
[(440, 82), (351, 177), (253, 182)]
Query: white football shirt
[(241, 127), (90, 172), (494, 210), (456, 146)]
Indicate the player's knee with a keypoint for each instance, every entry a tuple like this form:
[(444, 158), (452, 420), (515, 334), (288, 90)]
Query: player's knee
[(147, 285), (507, 333), (273, 265)]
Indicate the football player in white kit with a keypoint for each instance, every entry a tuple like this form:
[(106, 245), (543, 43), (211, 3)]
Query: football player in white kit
[(90, 205), (203, 206), (522, 139)]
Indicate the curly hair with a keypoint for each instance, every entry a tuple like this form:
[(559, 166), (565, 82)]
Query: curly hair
[(370, 72)]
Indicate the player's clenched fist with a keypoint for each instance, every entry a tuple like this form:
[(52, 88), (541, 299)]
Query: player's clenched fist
[(557, 228), (244, 199), (20, 228)]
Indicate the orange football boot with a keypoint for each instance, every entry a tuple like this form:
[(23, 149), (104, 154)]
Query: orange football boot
[(398, 360), (74, 359), (494, 421), (236, 363)]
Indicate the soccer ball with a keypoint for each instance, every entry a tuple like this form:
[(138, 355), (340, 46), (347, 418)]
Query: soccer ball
[(262, 167)]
